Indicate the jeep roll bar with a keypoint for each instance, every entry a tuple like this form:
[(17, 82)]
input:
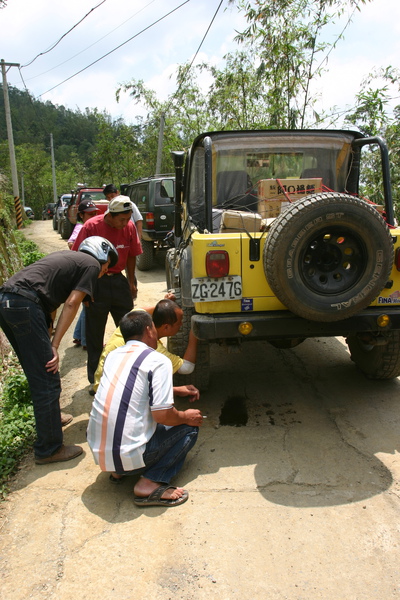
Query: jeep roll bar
[(387, 188), (179, 159)]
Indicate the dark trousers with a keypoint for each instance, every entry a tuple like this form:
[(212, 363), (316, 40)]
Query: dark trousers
[(165, 452), (24, 323), (112, 295)]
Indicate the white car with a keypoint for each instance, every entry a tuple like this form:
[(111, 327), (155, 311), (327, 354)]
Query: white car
[(29, 212)]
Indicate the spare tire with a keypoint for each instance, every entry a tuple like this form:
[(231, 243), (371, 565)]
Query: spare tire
[(328, 256)]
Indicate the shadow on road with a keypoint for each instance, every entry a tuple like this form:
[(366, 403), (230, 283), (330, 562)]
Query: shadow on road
[(314, 431)]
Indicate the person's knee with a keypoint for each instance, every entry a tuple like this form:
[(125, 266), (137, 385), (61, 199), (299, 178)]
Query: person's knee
[(192, 435)]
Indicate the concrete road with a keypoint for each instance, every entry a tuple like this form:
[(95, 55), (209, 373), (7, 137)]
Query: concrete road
[(300, 502)]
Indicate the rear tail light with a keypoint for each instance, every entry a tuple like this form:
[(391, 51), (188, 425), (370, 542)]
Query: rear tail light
[(217, 263), (149, 220)]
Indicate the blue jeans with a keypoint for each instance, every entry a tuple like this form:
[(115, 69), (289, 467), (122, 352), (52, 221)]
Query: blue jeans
[(24, 323), (80, 328), (166, 452)]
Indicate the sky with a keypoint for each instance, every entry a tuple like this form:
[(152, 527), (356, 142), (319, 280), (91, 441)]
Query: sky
[(31, 27)]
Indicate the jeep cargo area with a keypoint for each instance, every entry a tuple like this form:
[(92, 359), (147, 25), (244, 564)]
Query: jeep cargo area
[(273, 242), (154, 198), (68, 219)]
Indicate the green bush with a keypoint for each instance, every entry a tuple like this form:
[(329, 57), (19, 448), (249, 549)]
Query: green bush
[(28, 250), (17, 422), (17, 425)]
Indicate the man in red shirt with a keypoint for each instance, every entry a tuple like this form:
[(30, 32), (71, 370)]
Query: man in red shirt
[(115, 294)]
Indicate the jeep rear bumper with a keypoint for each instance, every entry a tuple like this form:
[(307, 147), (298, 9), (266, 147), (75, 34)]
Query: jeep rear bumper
[(285, 325)]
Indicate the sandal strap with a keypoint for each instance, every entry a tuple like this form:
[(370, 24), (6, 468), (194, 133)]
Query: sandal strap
[(158, 492)]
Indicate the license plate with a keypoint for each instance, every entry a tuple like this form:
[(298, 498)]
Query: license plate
[(207, 289)]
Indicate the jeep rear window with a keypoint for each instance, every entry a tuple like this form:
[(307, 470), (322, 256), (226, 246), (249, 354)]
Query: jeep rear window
[(240, 164)]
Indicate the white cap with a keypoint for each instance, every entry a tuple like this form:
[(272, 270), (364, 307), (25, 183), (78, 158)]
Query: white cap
[(119, 204)]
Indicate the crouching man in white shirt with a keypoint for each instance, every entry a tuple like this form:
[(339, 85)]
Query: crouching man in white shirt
[(134, 427)]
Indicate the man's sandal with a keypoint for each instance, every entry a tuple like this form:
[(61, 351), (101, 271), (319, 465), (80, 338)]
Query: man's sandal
[(116, 480), (154, 499)]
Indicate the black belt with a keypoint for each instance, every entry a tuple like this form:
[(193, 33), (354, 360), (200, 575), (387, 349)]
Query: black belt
[(14, 289)]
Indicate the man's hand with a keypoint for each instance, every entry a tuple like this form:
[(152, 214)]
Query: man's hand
[(133, 287), (193, 417), (52, 365), (170, 295), (187, 390)]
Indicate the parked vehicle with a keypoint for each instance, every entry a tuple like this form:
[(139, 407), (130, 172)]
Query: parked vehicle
[(68, 218), (61, 204), (154, 198), (48, 211), (273, 242), (29, 212)]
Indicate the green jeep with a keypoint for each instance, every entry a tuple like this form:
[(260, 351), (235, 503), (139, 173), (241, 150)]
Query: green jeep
[(154, 198), (273, 242)]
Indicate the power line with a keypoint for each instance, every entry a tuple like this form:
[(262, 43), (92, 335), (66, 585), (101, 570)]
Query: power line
[(194, 57), (63, 36), (91, 45), (117, 48)]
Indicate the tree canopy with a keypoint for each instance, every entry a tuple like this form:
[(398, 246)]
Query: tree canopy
[(265, 83)]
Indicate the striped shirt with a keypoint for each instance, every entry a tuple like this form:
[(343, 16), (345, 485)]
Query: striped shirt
[(136, 380)]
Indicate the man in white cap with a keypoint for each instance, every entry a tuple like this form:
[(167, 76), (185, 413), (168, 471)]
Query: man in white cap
[(115, 294), (110, 192)]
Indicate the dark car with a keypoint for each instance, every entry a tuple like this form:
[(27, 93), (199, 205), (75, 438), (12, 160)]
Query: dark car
[(48, 211), (154, 197), (59, 208)]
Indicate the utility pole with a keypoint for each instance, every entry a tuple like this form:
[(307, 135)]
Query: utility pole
[(53, 169), (13, 162), (22, 188)]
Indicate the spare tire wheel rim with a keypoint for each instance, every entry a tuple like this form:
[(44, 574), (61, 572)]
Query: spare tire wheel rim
[(332, 261)]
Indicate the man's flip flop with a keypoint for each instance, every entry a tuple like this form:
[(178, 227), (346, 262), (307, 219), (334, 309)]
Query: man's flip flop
[(154, 499), (116, 480)]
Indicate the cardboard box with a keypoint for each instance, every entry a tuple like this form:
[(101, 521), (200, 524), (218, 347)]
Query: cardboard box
[(269, 209), (274, 196), (233, 221)]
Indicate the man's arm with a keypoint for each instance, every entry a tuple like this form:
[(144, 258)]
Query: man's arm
[(139, 227), (189, 391), (130, 272), (191, 350), (67, 315), (162, 409), (171, 417)]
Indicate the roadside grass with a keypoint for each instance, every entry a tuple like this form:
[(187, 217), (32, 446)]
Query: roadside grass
[(17, 422), (29, 250)]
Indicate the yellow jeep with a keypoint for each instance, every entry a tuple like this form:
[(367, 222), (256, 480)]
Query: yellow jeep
[(273, 242)]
